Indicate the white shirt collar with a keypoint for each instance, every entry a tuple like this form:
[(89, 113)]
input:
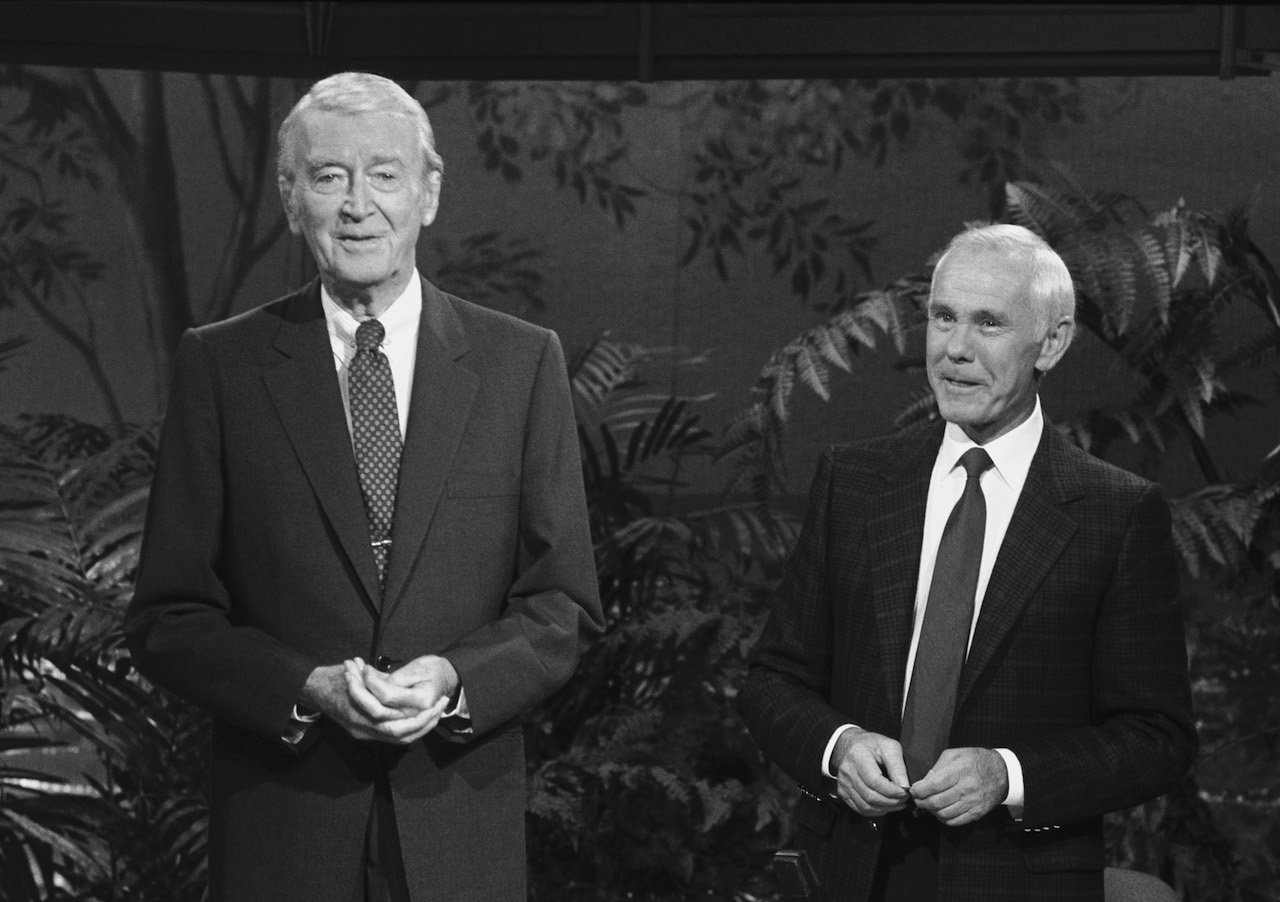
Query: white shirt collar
[(400, 320), (1011, 453)]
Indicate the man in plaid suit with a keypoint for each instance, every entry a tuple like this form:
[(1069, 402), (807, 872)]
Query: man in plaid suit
[(1070, 696)]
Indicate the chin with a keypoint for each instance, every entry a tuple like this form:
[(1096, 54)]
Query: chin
[(359, 277), (968, 420)]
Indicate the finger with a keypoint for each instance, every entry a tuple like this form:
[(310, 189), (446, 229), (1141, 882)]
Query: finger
[(869, 771), (859, 804), (389, 694), (936, 802), (410, 729), (862, 795), (404, 728), (895, 768), (958, 816), (960, 809), (408, 675), (866, 801), (363, 701), (941, 777), (413, 672)]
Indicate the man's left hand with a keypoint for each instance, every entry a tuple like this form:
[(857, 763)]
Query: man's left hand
[(963, 786), (407, 703)]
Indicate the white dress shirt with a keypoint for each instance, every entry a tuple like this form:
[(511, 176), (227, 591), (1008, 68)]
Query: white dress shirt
[(400, 344), (1011, 456)]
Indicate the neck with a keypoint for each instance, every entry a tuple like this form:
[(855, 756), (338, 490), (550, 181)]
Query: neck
[(984, 433), (367, 301)]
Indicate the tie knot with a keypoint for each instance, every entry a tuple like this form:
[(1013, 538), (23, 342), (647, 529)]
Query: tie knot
[(975, 461), (369, 335)]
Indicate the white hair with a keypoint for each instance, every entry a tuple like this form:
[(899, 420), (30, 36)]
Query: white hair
[(1049, 281), (356, 92)]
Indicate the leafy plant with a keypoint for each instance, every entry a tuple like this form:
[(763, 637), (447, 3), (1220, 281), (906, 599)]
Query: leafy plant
[(131, 824), (643, 782), (759, 170)]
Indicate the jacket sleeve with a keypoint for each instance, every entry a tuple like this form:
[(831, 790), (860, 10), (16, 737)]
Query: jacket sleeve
[(553, 604), (1141, 739), (784, 700), (178, 626)]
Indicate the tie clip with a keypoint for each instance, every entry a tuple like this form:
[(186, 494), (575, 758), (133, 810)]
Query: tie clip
[(379, 543)]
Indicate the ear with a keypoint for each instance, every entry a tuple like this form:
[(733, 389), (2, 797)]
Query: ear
[(286, 200), (430, 198), (1055, 344)]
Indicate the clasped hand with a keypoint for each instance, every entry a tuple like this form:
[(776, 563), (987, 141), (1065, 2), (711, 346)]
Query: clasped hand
[(398, 707), (961, 787)]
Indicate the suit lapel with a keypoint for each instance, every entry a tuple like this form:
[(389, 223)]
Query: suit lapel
[(444, 390), (1038, 533), (895, 527), (304, 388)]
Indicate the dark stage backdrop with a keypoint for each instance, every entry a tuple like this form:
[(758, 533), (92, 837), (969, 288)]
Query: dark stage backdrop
[(745, 227), (720, 217)]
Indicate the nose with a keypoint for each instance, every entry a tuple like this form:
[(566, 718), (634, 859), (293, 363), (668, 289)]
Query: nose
[(356, 204), (958, 343)]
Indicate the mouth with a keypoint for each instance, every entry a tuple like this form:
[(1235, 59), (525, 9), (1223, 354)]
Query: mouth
[(958, 384)]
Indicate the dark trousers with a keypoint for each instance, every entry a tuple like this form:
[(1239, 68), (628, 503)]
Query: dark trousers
[(384, 864), (908, 867)]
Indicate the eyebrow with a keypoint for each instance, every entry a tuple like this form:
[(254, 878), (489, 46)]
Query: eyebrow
[(316, 163), (980, 315)]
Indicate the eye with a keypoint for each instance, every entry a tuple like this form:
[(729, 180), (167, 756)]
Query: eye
[(942, 316), (327, 179)]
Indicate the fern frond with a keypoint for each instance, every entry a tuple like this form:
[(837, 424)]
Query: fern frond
[(603, 367), (1048, 213), (1212, 529)]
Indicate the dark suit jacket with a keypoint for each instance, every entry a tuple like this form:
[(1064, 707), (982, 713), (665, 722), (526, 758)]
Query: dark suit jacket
[(256, 568), (1078, 661)]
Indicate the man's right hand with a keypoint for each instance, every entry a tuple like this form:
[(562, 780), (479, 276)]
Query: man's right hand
[(870, 772)]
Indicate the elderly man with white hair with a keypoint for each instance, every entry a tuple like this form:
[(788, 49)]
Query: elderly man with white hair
[(977, 649), (367, 551)]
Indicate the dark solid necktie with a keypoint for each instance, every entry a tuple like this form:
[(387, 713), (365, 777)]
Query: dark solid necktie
[(948, 618), (375, 430)]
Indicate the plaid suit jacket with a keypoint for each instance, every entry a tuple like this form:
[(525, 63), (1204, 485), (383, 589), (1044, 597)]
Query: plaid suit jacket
[(1078, 660)]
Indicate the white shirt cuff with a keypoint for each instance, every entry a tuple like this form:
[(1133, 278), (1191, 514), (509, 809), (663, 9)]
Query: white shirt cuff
[(460, 709), (1016, 800), (298, 724), (827, 769)]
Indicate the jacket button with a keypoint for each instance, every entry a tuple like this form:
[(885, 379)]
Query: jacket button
[(383, 663)]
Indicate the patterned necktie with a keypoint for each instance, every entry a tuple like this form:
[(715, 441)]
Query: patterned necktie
[(375, 429), (948, 618)]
